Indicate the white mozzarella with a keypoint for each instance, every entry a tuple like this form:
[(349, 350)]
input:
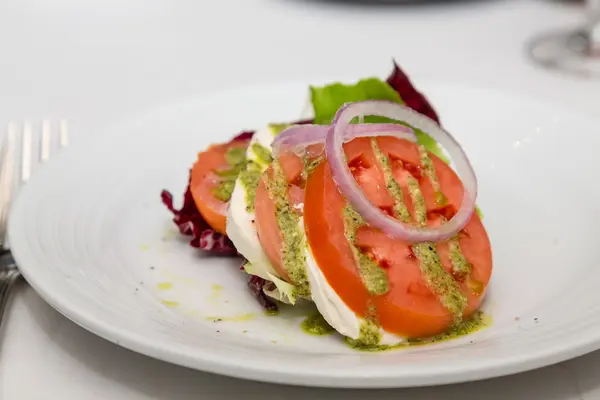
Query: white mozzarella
[(241, 228), (332, 307)]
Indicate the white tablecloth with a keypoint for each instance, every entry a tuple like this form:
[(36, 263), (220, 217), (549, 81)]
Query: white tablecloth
[(98, 61)]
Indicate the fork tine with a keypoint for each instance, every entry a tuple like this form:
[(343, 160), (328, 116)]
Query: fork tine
[(17, 165), (45, 142), (26, 157), (6, 179), (64, 133)]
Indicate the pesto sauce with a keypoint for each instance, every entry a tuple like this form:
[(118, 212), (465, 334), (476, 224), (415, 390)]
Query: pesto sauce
[(249, 178), (232, 173), (233, 318), (316, 325), (369, 336), (271, 313), (373, 276), (262, 153), (439, 280), (440, 198), (434, 273), (400, 209), (477, 322), (292, 252), (478, 211), (236, 158), (460, 266), (223, 190), (420, 208), (311, 164)]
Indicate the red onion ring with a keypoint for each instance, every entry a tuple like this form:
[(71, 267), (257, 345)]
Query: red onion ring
[(301, 136), (349, 188)]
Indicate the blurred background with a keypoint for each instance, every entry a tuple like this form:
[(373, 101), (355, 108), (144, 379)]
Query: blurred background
[(97, 61)]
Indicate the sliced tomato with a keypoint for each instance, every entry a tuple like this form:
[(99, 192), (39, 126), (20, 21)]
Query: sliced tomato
[(409, 308), (267, 228), (204, 180)]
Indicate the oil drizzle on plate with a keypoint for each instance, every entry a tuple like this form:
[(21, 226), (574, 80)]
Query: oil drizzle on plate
[(316, 325)]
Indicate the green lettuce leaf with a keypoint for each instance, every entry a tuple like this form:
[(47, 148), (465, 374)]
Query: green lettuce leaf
[(283, 291), (326, 100)]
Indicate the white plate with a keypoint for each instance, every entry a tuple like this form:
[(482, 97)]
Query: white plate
[(92, 237)]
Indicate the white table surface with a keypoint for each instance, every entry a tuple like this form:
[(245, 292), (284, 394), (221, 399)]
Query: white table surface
[(98, 61)]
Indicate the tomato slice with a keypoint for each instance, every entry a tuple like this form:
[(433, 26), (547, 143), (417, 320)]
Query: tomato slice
[(409, 308), (267, 228), (204, 180)]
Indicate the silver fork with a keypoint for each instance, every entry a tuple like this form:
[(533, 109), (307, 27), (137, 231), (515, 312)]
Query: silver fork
[(17, 164)]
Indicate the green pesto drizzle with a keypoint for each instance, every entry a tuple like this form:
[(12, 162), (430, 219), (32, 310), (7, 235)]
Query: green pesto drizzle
[(436, 277), (439, 280), (236, 158), (400, 210), (461, 268), (478, 321), (249, 178), (373, 276), (224, 190), (271, 313), (262, 153), (440, 198), (369, 336), (315, 324), (479, 212), (418, 201), (293, 256), (310, 164), (232, 173)]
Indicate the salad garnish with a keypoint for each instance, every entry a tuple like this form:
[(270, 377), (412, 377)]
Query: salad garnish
[(356, 209)]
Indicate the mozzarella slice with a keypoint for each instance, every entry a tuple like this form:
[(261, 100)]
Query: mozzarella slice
[(241, 227), (332, 307)]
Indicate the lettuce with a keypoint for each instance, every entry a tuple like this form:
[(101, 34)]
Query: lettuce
[(283, 291), (276, 288), (326, 100), (256, 285)]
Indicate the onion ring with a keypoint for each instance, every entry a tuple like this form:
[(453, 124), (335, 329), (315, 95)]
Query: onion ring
[(350, 189), (300, 136)]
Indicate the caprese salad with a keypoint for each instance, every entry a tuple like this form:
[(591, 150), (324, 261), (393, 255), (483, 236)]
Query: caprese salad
[(356, 209)]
